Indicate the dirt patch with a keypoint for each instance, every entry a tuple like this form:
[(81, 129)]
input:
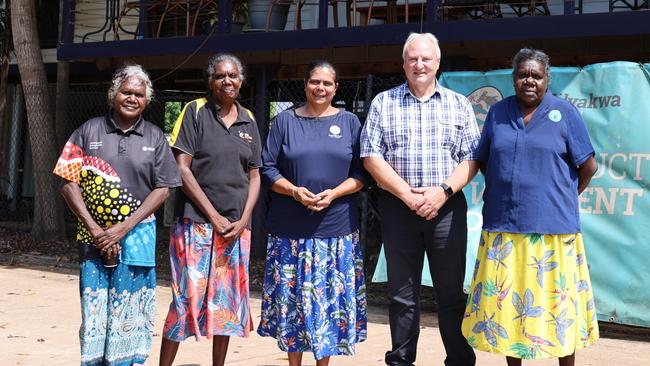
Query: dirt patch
[(18, 247)]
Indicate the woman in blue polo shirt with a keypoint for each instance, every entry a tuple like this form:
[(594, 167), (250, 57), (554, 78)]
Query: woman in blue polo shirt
[(314, 288), (531, 296)]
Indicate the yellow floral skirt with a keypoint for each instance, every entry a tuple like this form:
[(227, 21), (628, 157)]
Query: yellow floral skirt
[(531, 296)]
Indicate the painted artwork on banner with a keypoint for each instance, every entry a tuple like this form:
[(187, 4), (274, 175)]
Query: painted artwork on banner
[(615, 208)]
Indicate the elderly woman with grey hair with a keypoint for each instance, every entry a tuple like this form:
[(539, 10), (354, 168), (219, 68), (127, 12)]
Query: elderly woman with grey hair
[(117, 170), (218, 152), (531, 295)]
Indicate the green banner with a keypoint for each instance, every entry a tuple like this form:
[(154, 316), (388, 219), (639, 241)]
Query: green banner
[(614, 99)]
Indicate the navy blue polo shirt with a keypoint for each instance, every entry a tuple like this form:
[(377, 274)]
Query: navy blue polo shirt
[(532, 170), (116, 171), (316, 153), (221, 157)]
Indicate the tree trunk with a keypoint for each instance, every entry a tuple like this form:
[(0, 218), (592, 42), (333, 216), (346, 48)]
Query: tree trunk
[(62, 90), (48, 213), (4, 59)]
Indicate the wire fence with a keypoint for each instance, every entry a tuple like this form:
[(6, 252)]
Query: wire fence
[(88, 101)]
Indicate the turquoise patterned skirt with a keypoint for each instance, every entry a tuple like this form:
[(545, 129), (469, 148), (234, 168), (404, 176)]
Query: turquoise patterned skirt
[(118, 311), (315, 295)]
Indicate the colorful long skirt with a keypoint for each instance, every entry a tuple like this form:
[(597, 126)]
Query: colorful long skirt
[(531, 296), (315, 295), (118, 311), (210, 293)]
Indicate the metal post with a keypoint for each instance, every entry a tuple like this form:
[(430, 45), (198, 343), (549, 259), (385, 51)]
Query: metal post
[(143, 30), (67, 20), (261, 111), (432, 10), (569, 7), (322, 13), (225, 15), (363, 195)]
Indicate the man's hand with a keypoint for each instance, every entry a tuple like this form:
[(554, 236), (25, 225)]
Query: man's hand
[(412, 200), (430, 202)]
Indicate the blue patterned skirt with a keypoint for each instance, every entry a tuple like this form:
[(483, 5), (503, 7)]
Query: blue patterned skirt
[(118, 310), (315, 295)]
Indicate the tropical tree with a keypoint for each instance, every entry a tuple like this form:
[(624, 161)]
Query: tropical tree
[(4, 54), (5, 44), (48, 211), (172, 111)]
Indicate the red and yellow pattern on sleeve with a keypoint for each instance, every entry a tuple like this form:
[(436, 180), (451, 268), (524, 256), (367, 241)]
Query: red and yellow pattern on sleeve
[(70, 163)]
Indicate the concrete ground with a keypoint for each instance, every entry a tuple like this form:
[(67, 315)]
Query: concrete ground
[(39, 322)]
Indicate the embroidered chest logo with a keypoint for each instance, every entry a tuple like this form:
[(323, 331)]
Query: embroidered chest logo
[(94, 145), (335, 132), (245, 136), (147, 148)]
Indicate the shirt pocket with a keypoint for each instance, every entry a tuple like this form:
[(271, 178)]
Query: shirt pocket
[(453, 135)]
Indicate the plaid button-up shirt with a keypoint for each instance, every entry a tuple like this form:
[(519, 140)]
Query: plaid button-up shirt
[(423, 141)]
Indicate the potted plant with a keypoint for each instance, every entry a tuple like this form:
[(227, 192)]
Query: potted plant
[(237, 21), (258, 11), (239, 15)]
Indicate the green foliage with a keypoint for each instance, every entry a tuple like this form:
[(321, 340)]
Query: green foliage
[(172, 111)]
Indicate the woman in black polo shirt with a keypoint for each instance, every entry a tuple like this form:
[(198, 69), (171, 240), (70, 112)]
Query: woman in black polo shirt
[(217, 148), (118, 169)]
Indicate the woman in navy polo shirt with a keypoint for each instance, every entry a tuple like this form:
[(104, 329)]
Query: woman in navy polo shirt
[(531, 296), (118, 169), (314, 289)]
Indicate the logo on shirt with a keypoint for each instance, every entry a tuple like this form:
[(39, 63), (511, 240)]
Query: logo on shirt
[(94, 145), (335, 132), (555, 115), (147, 148), (245, 136)]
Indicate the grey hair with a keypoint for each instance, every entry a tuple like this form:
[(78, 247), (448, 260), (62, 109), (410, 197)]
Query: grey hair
[(531, 54), (415, 36), (123, 74), (222, 57)]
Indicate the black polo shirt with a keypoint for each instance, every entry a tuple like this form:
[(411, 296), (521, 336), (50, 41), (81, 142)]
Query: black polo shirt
[(221, 157), (116, 169)]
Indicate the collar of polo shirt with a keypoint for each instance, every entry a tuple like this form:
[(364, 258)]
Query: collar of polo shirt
[(138, 126)]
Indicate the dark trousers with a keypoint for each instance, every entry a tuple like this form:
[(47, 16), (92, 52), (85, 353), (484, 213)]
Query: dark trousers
[(406, 238)]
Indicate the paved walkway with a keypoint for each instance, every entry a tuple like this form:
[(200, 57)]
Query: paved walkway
[(39, 322)]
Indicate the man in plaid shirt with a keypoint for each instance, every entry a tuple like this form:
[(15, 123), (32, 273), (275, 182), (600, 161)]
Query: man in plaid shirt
[(418, 144)]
